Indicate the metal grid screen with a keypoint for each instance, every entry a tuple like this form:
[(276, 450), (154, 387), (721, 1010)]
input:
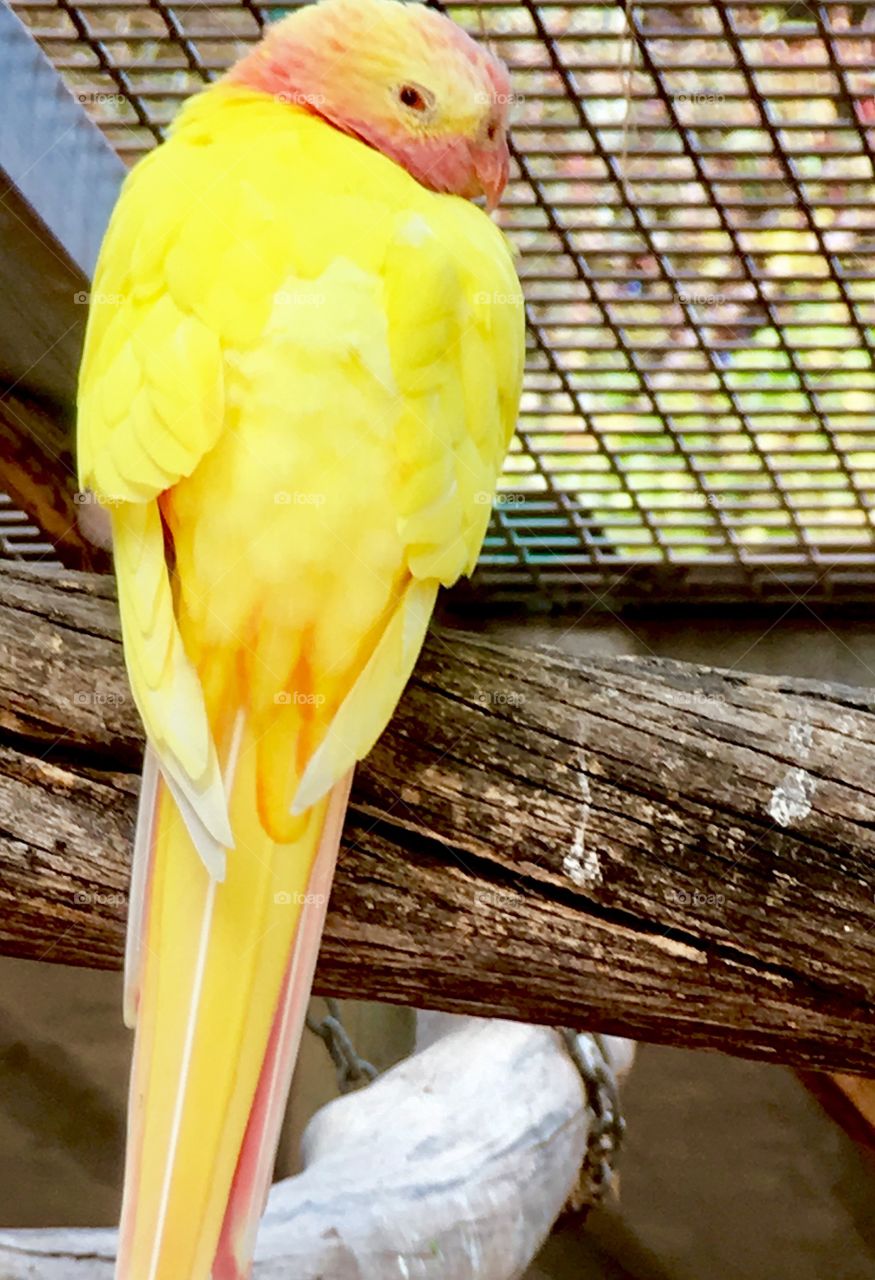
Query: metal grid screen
[(20, 539), (693, 198)]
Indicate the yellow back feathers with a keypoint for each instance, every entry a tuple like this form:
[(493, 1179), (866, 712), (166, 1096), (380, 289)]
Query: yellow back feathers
[(315, 364)]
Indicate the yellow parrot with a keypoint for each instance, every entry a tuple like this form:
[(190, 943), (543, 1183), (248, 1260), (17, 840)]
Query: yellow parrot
[(301, 375)]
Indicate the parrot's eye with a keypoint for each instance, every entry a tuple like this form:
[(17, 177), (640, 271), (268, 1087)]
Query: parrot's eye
[(492, 131), (413, 97)]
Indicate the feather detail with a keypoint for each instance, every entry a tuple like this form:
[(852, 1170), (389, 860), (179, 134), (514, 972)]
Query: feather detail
[(215, 960), (370, 702), (165, 684), (252, 1177), (138, 899), (197, 988)]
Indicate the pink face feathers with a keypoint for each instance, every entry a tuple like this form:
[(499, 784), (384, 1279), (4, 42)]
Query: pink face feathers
[(402, 78)]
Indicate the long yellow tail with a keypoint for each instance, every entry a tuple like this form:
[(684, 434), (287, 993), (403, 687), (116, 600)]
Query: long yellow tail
[(225, 973)]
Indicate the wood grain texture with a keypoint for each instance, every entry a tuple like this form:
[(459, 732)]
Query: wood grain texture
[(644, 847)]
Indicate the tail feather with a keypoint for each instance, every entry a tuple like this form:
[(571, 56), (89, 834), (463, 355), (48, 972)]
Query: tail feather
[(252, 1177), (226, 968), (144, 843)]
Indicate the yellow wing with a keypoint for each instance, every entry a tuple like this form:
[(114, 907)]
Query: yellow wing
[(456, 338), (151, 405), (151, 387)]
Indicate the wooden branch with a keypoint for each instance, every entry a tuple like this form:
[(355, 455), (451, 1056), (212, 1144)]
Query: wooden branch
[(454, 1163), (658, 850)]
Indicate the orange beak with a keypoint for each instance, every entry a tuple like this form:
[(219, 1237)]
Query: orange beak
[(491, 165)]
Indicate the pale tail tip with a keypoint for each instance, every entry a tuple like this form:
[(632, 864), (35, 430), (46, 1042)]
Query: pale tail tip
[(129, 1012), (211, 851), (209, 841), (299, 804), (311, 789)]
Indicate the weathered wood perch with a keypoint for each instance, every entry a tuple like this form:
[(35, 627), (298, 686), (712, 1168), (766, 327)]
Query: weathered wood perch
[(639, 846), (454, 1164)]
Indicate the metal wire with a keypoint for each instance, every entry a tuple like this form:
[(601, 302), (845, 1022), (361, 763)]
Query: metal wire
[(353, 1071), (607, 1126), (699, 414)]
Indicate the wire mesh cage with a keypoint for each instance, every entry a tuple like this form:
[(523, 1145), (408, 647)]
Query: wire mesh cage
[(693, 202)]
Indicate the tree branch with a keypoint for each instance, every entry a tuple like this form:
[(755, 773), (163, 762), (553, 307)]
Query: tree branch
[(639, 846)]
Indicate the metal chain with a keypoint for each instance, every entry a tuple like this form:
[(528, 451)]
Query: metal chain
[(353, 1071), (587, 1052), (589, 1055)]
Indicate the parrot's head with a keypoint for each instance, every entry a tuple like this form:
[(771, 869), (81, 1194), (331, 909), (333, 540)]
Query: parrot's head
[(403, 78)]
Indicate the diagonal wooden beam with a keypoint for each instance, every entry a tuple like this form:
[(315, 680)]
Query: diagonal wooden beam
[(651, 848), (58, 181)]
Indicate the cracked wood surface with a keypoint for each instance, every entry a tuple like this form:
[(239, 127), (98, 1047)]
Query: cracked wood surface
[(651, 848)]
